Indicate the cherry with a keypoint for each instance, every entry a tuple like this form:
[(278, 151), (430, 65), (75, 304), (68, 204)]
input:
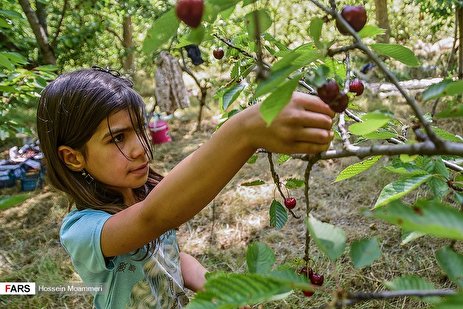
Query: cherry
[(317, 279), (356, 86), (328, 91), (290, 202), (308, 293), (340, 103), (190, 11), (309, 274), (218, 53), (356, 17)]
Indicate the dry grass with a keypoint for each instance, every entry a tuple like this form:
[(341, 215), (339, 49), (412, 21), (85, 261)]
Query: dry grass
[(219, 234)]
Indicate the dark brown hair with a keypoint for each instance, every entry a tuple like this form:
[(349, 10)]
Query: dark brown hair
[(69, 112)]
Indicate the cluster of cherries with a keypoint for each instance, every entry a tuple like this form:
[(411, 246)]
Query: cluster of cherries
[(356, 17), (315, 279)]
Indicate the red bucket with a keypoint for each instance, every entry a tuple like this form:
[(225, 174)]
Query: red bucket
[(159, 131)]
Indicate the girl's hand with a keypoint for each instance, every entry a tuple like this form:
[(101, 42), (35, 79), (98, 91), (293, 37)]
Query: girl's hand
[(303, 126)]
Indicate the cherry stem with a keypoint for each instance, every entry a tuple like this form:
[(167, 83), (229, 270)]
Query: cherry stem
[(276, 178), (293, 214), (308, 169)]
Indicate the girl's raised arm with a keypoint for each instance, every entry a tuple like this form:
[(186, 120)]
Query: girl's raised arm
[(303, 126)]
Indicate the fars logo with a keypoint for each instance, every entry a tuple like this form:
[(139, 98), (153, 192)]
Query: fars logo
[(17, 288)]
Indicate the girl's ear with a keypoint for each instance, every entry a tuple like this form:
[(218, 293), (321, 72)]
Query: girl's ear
[(73, 159)]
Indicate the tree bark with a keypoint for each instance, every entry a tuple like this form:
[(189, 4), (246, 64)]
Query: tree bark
[(42, 15), (127, 42), (40, 33), (383, 20), (460, 40)]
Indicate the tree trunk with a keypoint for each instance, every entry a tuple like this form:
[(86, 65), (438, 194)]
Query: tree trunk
[(42, 15), (127, 37), (460, 40), (383, 20), (40, 34)]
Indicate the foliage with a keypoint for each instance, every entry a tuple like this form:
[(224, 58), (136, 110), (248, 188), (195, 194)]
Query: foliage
[(286, 65)]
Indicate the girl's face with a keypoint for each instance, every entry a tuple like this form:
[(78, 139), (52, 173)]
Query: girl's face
[(118, 160)]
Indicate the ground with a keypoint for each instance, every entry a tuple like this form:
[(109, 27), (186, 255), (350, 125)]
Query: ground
[(218, 235)]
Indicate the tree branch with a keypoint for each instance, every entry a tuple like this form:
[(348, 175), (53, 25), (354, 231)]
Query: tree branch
[(410, 101), (353, 298), (424, 148)]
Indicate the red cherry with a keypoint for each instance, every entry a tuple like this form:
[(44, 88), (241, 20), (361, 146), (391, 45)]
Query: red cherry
[(328, 91), (340, 104), (218, 53), (356, 17), (317, 279), (308, 293), (190, 11), (356, 86), (290, 202)]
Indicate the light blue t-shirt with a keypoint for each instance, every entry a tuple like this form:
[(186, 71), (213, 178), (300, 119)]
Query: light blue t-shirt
[(154, 282)]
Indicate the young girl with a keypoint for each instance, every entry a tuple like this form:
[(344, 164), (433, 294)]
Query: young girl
[(121, 230)]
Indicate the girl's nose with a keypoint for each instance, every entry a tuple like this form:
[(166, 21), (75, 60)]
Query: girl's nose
[(137, 148)]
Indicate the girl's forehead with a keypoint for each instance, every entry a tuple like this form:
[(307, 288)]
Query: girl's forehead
[(115, 121)]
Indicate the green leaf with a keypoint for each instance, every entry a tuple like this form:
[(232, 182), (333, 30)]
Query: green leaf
[(292, 61), (47, 68), (260, 258), (410, 282), (371, 123), (5, 62), (274, 80), (452, 264), (370, 31), (235, 290), (398, 52), (252, 183), (162, 29), (379, 135), (331, 240), (447, 135), (405, 168), (436, 90), (293, 183), (364, 252), (315, 29), (410, 236), (454, 88), (278, 215), (278, 99), (430, 217), (453, 111), (357, 168), (231, 94), (264, 20), (399, 188), (195, 36), (14, 200), (451, 302)]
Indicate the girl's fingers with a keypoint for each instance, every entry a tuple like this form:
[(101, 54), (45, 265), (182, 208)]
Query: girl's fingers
[(314, 136), (315, 120), (312, 103)]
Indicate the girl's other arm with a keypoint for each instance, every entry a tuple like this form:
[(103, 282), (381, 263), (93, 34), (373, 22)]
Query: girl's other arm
[(303, 126), (193, 272)]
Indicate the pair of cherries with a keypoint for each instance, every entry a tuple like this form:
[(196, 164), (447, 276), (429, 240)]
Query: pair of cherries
[(315, 279)]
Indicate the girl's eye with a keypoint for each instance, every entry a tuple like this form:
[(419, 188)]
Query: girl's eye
[(119, 138)]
